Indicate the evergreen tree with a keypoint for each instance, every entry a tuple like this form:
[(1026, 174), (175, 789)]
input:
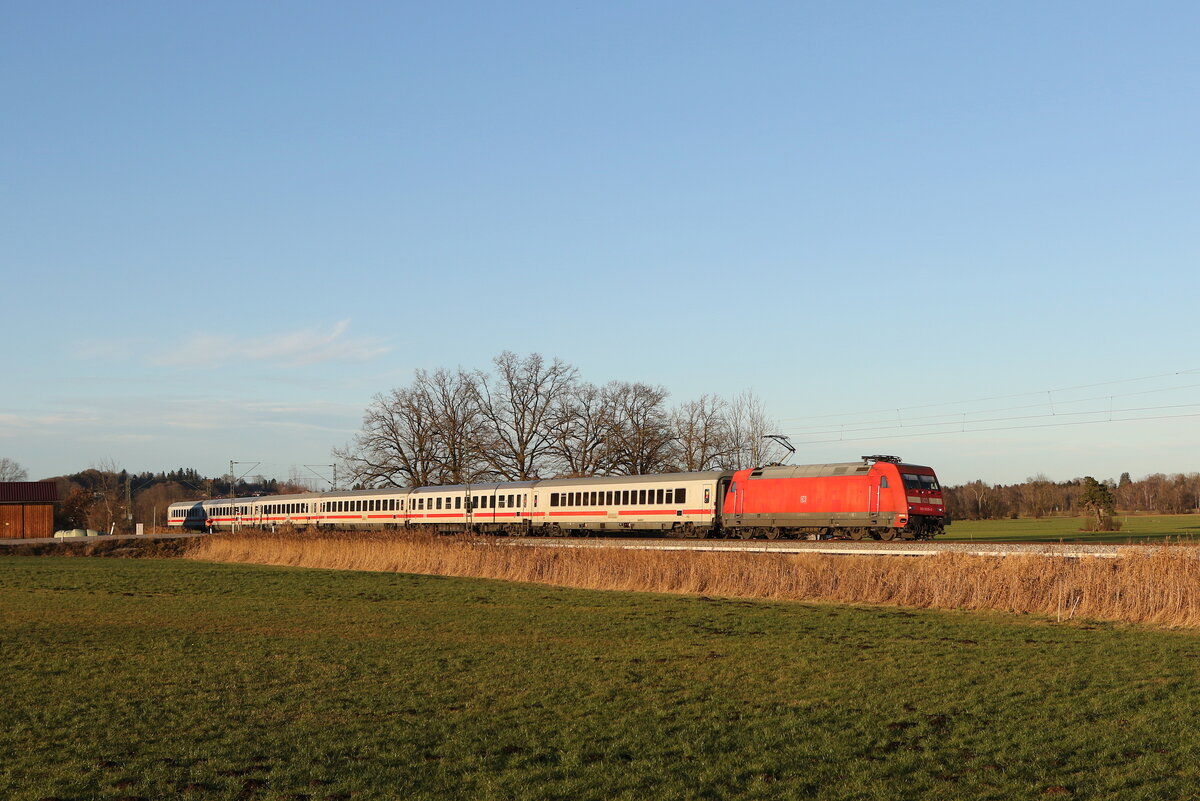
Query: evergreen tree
[(1098, 499)]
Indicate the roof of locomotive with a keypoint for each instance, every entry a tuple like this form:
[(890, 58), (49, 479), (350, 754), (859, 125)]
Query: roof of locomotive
[(811, 470), (824, 470)]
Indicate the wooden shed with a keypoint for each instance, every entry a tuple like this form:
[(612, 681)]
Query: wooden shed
[(27, 509)]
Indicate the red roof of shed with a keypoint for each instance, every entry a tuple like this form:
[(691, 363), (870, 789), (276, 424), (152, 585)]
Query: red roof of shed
[(28, 492)]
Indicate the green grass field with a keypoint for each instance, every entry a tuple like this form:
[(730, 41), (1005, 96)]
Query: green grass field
[(165, 679), (1134, 528)]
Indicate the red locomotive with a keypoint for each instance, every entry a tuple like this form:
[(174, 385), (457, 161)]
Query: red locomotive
[(879, 497)]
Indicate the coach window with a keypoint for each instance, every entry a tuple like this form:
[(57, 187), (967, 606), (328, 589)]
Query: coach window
[(642, 497), (680, 495), (670, 496), (554, 499), (457, 501), (501, 504), (659, 497)]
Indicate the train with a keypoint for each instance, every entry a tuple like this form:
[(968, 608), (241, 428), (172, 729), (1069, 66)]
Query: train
[(877, 497)]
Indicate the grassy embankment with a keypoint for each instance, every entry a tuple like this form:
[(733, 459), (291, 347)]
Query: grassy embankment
[(1161, 588), (174, 679), (1134, 528)]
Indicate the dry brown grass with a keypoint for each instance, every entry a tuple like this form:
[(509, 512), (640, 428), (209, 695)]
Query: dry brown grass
[(1160, 588)]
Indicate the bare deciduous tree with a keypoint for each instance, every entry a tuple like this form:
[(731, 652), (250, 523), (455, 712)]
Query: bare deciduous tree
[(107, 511), (748, 426), (397, 446), (701, 431), (453, 399), (11, 471), (517, 407), (641, 440), (583, 423)]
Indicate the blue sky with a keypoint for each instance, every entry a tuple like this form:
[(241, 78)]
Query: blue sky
[(225, 226)]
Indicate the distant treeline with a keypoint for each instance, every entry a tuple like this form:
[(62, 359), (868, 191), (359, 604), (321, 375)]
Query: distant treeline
[(1039, 496)]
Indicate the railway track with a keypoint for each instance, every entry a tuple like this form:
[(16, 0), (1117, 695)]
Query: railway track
[(845, 547)]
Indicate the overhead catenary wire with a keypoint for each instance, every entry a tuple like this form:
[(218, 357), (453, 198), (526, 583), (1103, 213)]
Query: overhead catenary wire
[(1060, 423), (1032, 393)]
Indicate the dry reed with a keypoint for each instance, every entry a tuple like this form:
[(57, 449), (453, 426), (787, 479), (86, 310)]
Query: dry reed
[(1159, 588)]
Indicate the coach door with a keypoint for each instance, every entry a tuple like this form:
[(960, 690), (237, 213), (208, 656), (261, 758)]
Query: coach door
[(873, 492), (736, 498)]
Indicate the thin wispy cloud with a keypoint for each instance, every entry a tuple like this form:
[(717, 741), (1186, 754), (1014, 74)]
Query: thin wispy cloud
[(300, 348), (13, 423)]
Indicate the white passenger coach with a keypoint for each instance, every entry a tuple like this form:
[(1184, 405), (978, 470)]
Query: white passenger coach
[(684, 503)]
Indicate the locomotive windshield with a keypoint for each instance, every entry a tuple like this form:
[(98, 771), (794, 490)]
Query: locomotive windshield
[(914, 481)]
